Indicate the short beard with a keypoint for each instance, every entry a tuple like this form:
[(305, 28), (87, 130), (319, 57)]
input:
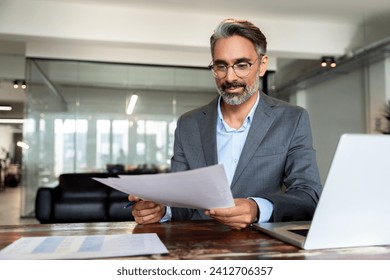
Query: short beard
[(238, 99)]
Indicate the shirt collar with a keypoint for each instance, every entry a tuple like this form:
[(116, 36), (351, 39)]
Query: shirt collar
[(249, 117)]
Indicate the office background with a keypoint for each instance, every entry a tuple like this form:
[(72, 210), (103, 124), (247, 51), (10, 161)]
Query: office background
[(83, 60)]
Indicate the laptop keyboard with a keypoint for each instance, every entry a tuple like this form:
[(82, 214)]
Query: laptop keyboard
[(302, 232)]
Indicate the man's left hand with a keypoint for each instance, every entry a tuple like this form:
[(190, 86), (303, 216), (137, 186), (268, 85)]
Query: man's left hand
[(240, 216)]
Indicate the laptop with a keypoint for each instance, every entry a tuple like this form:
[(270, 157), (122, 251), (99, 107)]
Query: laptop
[(354, 206)]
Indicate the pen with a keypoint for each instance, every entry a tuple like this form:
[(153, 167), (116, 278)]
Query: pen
[(131, 203)]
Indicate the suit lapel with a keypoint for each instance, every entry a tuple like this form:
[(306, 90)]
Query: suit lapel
[(262, 121), (207, 126)]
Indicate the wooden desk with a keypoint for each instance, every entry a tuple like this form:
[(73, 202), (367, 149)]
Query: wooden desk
[(197, 240)]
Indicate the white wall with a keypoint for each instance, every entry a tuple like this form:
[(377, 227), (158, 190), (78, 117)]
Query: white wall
[(350, 103), (335, 107)]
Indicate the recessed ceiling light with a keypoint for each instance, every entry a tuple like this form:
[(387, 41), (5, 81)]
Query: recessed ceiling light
[(5, 108), (12, 121), (131, 105)]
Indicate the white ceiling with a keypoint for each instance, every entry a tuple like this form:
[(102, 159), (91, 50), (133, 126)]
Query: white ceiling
[(176, 32), (351, 11), (298, 29)]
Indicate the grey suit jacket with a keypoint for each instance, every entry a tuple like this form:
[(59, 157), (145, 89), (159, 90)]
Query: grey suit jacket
[(277, 162)]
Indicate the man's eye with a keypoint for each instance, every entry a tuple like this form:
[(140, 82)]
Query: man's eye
[(220, 67), (241, 66)]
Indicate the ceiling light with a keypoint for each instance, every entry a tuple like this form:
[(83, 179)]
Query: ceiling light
[(328, 61), (333, 63), (24, 85), (11, 121), (131, 105), (323, 63), (5, 108), (16, 85)]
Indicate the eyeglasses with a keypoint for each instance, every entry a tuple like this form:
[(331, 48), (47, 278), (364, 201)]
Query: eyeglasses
[(241, 69)]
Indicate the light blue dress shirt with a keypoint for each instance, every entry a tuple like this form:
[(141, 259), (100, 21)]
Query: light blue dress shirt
[(230, 143)]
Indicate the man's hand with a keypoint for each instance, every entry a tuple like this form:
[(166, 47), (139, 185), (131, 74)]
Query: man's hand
[(240, 216), (146, 212)]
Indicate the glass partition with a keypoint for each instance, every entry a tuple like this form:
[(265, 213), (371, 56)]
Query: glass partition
[(77, 119)]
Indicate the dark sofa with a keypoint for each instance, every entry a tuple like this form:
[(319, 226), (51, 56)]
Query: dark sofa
[(79, 198)]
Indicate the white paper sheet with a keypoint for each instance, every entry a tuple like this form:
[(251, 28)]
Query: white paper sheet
[(202, 188), (83, 247)]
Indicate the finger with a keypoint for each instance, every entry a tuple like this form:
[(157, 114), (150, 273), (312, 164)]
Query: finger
[(243, 208), (222, 212), (152, 218), (232, 224), (133, 198), (141, 205), (141, 220), (237, 225), (148, 215), (146, 219), (143, 212), (234, 219)]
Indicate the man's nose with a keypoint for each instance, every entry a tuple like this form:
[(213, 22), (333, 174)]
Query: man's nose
[(230, 74)]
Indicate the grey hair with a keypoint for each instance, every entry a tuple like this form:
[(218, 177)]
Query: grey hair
[(244, 28)]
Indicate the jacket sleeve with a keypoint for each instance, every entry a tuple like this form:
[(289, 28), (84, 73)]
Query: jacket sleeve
[(301, 178), (179, 163)]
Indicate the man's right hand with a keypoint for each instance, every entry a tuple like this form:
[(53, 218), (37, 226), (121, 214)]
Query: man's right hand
[(146, 212)]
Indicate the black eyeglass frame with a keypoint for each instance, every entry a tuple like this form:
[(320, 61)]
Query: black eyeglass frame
[(211, 67)]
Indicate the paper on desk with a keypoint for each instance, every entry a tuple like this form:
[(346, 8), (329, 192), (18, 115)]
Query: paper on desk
[(202, 188), (83, 247)]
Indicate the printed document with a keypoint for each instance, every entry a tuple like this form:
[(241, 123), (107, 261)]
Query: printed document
[(83, 247), (202, 188)]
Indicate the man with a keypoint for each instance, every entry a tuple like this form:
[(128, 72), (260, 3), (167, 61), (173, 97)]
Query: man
[(264, 144)]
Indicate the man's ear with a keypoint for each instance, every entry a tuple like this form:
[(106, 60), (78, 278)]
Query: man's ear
[(263, 65)]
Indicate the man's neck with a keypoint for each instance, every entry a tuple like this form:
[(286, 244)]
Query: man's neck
[(234, 115)]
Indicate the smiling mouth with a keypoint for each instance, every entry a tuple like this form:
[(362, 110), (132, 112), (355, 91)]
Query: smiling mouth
[(232, 86)]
